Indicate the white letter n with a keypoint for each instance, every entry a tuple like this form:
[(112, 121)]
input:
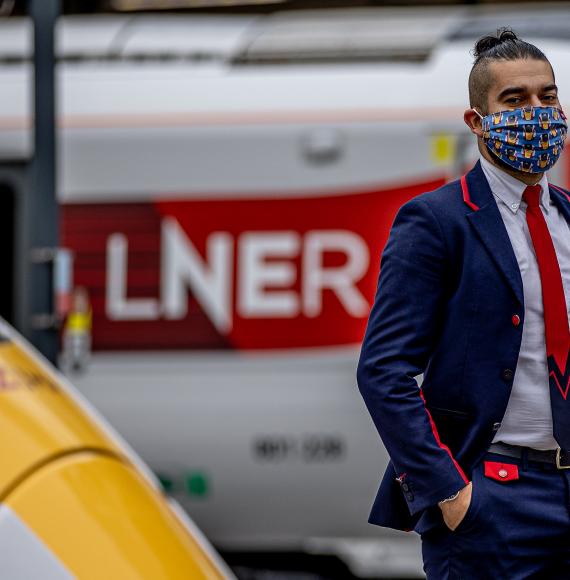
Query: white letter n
[(183, 268)]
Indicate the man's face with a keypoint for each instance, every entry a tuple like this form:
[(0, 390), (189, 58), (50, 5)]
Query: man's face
[(521, 83), (514, 84)]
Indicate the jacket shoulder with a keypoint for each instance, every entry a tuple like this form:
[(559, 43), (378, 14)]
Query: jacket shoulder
[(443, 201)]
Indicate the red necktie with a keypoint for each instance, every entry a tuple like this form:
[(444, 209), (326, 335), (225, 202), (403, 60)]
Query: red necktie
[(556, 326)]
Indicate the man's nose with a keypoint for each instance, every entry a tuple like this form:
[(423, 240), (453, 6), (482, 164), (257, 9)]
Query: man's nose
[(535, 101)]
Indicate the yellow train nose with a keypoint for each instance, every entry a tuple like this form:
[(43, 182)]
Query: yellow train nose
[(77, 492)]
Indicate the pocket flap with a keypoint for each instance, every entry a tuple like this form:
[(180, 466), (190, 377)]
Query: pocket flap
[(501, 471)]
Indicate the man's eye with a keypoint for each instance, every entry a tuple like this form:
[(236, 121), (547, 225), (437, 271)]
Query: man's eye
[(513, 100)]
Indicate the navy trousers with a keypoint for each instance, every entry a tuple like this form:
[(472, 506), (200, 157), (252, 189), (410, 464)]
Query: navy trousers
[(517, 526)]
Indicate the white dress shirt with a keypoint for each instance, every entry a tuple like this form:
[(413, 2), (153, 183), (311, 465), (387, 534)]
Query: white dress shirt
[(528, 418)]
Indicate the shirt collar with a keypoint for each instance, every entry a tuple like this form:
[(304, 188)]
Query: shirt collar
[(508, 189)]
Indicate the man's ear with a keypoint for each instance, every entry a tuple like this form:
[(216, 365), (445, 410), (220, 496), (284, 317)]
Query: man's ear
[(473, 121)]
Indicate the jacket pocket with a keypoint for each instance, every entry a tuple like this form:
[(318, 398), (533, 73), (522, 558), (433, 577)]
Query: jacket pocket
[(452, 426)]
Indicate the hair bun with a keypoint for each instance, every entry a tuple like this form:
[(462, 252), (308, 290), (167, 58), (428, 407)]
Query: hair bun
[(488, 42)]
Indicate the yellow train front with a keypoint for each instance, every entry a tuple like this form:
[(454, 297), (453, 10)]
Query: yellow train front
[(76, 502)]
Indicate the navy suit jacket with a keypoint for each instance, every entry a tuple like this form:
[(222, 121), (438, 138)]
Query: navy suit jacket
[(448, 290)]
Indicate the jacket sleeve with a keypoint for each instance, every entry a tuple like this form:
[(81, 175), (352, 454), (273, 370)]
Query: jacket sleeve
[(402, 330)]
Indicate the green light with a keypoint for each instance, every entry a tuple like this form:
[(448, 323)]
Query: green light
[(197, 484)]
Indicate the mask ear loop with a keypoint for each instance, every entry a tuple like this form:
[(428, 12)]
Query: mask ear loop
[(478, 113)]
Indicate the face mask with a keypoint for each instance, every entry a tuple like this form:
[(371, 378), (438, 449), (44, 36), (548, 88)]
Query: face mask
[(529, 139)]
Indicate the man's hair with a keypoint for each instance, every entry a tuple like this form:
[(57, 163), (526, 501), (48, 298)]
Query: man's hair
[(506, 45)]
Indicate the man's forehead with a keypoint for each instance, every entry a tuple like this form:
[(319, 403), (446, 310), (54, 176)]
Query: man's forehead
[(525, 73)]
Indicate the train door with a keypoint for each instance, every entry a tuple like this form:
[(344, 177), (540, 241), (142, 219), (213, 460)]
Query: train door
[(12, 238)]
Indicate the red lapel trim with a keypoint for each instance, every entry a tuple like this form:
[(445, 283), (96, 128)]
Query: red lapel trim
[(466, 196)]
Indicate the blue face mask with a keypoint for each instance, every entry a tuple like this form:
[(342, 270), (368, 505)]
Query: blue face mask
[(529, 139)]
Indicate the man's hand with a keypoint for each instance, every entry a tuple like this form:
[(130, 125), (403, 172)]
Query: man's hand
[(454, 511)]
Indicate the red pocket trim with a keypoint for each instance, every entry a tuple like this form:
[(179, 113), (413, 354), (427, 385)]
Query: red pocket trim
[(501, 471)]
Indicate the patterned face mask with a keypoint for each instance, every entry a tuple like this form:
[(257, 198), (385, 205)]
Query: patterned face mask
[(529, 139)]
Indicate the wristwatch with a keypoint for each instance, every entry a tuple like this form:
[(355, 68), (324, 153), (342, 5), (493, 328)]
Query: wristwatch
[(450, 498)]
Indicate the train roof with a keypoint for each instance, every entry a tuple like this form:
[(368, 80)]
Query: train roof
[(317, 36)]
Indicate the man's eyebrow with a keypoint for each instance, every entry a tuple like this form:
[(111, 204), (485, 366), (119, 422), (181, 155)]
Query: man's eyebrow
[(517, 90), (510, 91)]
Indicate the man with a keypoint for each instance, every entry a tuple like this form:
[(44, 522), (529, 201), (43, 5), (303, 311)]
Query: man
[(474, 292)]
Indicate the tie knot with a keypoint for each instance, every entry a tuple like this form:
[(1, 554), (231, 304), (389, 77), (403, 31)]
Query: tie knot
[(532, 195)]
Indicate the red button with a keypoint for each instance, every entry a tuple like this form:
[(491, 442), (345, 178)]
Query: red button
[(516, 319)]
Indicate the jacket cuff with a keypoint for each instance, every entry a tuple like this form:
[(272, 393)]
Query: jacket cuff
[(418, 502)]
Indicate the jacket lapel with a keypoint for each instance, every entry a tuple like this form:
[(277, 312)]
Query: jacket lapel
[(561, 200), (489, 226)]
